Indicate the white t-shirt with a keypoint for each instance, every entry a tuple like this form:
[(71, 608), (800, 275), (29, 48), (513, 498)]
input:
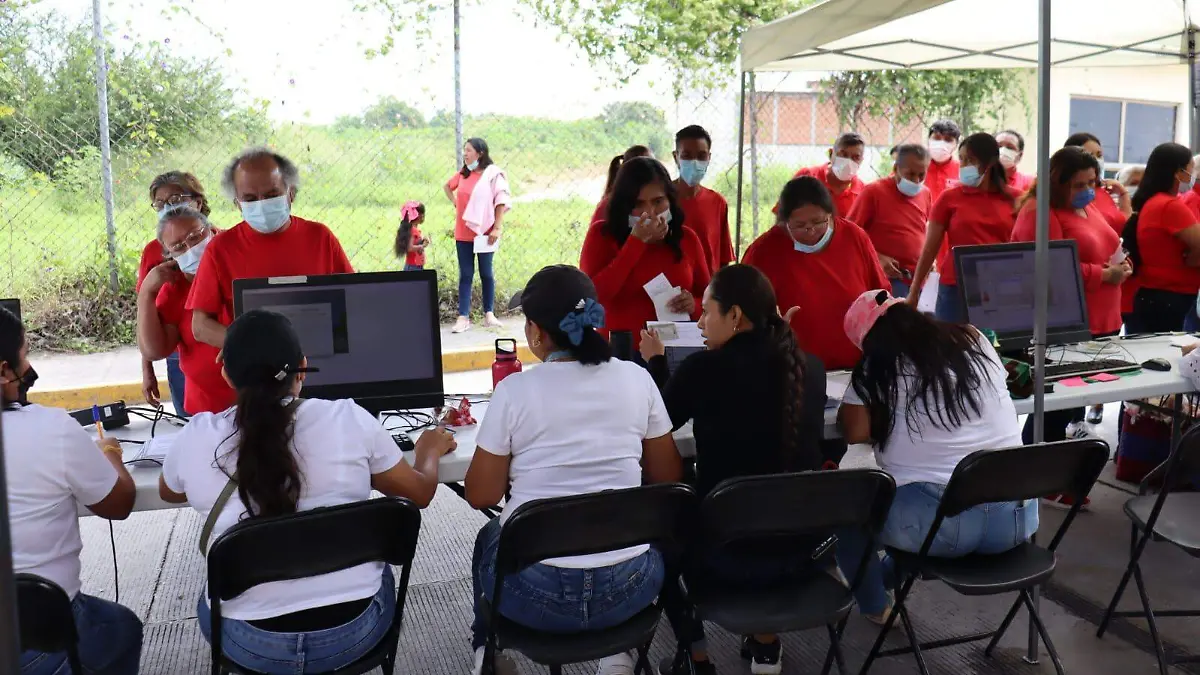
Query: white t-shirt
[(927, 453), (338, 447), (571, 430), (52, 466)]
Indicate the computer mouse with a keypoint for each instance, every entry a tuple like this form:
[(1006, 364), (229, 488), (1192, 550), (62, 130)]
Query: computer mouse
[(1161, 365)]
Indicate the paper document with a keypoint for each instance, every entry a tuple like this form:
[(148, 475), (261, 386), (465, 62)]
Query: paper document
[(836, 383), (482, 245), (1184, 340), (683, 334), (661, 293), (156, 449), (664, 329), (1119, 255)]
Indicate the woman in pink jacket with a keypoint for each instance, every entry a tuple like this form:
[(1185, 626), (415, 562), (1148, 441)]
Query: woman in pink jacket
[(474, 218)]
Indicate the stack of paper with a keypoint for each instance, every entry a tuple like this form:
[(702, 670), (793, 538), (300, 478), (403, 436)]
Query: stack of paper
[(661, 293), (155, 450)]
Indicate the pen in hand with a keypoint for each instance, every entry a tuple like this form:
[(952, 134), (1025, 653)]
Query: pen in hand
[(96, 419)]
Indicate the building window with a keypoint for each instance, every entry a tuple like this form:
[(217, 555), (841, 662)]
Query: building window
[(1128, 130)]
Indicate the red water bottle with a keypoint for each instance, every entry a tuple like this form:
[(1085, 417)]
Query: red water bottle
[(506, 362)]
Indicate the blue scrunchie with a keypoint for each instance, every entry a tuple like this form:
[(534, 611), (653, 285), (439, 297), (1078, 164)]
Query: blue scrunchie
[(587, 314)]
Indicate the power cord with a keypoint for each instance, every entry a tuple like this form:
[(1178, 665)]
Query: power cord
[(112, 539)]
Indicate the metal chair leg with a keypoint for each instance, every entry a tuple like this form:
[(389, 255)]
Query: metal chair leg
[(1041, 629), (1135, 554), (642, 665), (1159, 650), (555, 670), (912, 639), (829, 655), (1008, 619), (835, 649)]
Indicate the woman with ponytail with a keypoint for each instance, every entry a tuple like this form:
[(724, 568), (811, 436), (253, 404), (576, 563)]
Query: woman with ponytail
[(752, 371), (410, 244), (614, 167), (979, 210), (286, 455), (561, 430)]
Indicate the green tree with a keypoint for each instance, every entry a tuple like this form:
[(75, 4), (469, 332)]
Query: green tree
[(621, 114), (966, 96), (390, 112)]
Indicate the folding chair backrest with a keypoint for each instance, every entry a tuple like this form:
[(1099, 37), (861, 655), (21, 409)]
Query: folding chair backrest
[(45, 614), (1025, 472), (1187, 464), (597, 522), (794, 505), (311, 543)]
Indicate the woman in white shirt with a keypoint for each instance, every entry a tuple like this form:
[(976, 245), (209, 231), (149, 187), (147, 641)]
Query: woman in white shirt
[(53, 466), (580, 423), (291, 455), (927, 394)]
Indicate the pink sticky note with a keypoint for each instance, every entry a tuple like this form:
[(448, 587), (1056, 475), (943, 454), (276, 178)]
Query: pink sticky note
[(1105, 377), (1073, 382)]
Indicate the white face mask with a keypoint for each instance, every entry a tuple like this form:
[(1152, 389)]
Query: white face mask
[(189, 262), (1008, 157), (941, 151), (267, 215), (665, 216), (844, 168)]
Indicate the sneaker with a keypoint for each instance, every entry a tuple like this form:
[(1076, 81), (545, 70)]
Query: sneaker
[(1095, 414), (617, 664), (462, 325), (491, 321), (881, 618), (504, 665), (1077, 430), (1060, 501), (765, 659), (671, 667)]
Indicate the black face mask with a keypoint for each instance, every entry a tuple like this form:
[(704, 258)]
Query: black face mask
[(24, 384)]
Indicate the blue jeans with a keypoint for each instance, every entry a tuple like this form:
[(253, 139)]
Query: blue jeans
[(561, 600), (315, 652), (176, 382), (949, 305), (110, 641), (413, 268), (900, 288), (987, 528), (466, 276)]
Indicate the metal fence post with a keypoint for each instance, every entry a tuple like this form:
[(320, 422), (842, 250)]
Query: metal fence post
[(106, 182), (753, 157), (458, 115)]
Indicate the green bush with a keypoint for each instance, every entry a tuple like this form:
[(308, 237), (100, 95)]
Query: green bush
[(73, 308)]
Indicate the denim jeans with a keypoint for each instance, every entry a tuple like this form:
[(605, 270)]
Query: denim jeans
[(561, 600), (176, 382), (987, 528), (466, 276), (900, 288), (413, 268), (110, 641), (314, 652), (1158, 311), (949, 305)]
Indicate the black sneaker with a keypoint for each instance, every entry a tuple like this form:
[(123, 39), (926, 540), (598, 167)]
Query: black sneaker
[(672, 667), (765, 659)]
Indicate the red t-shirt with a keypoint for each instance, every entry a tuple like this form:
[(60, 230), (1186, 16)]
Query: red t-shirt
[(206, 390), (621, 271), (1161, 219), (152, 256), (1110, 211), (1192, 200), (895, 223), (843, 201), (1019, 181), (601, 212), (941, 176), (970, 216), (707, 214), (823, 285), (1097, 242), (462, 187), (305, 247), (413, 257)]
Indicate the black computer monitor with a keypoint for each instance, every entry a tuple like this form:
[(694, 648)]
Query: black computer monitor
[(996, 284), (375, 337), (11, 304)]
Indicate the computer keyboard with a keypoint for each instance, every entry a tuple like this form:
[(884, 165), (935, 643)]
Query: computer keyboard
[(1061, 371)]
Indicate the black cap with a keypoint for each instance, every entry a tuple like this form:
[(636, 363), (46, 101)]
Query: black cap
[(553, 293), (262, 348)]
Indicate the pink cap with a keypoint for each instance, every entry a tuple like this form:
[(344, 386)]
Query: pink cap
[(864, 312)]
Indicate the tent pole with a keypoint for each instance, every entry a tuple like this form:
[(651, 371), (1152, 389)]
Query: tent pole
[(753, 155), (1193, 109), (737, 236), (1041, 272)]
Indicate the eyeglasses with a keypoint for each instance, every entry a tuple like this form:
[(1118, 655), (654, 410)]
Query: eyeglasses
[(807, 227), (194, 237), (173, 200)]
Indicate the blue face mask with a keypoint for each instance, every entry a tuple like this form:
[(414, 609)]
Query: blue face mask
[(969, 176), (1081, 199), (473, 165), (908, 188), (817, 247), (692, 171), (189, 262), (267, 216)]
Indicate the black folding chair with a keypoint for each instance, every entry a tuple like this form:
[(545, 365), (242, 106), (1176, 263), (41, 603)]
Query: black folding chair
[(659, 515), (46, 618), (989, 476), (1173, 517), (309, 544), (787, 508)]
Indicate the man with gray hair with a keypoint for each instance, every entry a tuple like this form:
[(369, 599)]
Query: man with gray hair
[(269, 242), (893, 211)]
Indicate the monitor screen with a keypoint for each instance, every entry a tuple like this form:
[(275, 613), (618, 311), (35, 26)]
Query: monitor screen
[(374, 337), (996, 284), (13, 305)]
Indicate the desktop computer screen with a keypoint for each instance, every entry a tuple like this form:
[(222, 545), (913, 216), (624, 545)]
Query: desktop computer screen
[(996, 284), (374, 337), (13, 305)]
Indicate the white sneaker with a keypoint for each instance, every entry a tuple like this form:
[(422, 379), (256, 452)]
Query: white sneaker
[(462, 325), (491, 321), (504, 664), (617, 664), (1077, 430)]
